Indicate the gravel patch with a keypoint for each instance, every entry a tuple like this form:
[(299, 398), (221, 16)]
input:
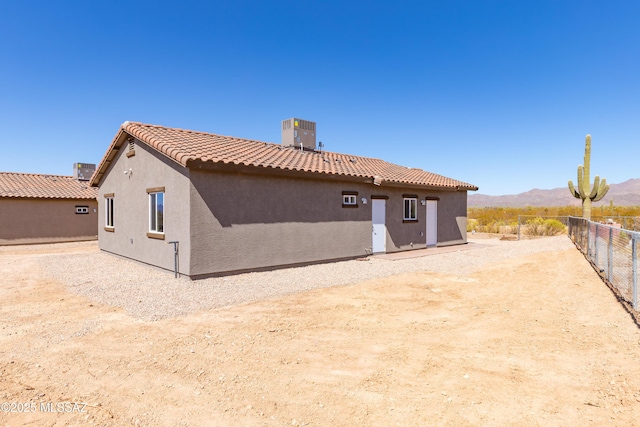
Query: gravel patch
[(149, 293)]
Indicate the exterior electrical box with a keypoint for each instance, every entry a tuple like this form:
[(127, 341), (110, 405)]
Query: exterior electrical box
[(298, 132), (83, 171)]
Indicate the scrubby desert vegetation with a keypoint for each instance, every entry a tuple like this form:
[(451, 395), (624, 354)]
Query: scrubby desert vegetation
[(544, 221)]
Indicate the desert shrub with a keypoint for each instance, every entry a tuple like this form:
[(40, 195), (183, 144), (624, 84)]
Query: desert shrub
[(545, 227), (493, 227), (534, 226), (510, 228), (553, 227)]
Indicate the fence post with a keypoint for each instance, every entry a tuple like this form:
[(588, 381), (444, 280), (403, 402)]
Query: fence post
[(610, 272), (634, 270), (595, 239), (587, 245), (596, 245), (518, 227)]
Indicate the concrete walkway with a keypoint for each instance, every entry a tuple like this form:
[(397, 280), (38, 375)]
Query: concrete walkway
[(417, 253)]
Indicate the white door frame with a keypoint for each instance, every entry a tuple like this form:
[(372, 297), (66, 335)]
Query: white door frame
[(378, 225), (432, 223)]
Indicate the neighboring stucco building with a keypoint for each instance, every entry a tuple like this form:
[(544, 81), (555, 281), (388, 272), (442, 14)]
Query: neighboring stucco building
[(236, 205), (37, 208)]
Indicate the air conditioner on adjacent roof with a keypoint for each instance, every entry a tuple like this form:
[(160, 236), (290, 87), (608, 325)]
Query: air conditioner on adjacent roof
[(83, 171)]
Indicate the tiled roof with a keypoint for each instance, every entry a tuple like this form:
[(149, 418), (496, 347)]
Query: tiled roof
[(184, 146), (27, 185)]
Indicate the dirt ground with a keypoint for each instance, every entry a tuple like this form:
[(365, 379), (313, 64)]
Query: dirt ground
[(535, 341)]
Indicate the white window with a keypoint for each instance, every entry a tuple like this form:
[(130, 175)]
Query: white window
[(156, 212), (349, 199), (82, 209), (410, 209), (108, 211)]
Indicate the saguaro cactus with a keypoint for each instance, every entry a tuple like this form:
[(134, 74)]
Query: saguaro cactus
[(585, 192)]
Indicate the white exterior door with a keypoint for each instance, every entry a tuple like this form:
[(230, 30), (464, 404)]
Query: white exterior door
[(432, 222), (379, 228)]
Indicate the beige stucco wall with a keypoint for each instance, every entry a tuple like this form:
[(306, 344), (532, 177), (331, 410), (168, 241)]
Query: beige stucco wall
[(453, 226), (45, 220), (149, 169), (242, 221)]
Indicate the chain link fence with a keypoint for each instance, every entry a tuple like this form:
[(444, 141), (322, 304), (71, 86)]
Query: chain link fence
[(631, 223), (613, 251)]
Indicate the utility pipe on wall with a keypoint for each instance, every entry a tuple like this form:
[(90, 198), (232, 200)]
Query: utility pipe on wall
[(175, 257)]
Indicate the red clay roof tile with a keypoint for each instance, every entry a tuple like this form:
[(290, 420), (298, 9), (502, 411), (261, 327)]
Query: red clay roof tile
[(26, 185), (184, 146)]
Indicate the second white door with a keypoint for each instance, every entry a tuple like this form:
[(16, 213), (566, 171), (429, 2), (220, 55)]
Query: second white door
[(378, 225), (432, 222)]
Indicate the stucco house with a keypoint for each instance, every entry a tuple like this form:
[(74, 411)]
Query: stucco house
[(235, 205), (37, 208)]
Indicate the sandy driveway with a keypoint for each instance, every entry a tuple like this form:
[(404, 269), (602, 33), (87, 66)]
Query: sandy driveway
[(534, 341)]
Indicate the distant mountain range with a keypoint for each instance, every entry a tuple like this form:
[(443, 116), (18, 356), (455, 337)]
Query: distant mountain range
[(624, 194)]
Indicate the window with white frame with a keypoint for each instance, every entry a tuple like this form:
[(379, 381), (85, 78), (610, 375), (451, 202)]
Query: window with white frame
[(410, 209), (156, 211), (82, 210), (349, 199), (108, 211)]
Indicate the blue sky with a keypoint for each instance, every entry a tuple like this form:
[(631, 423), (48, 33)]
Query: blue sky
[(496, 93)]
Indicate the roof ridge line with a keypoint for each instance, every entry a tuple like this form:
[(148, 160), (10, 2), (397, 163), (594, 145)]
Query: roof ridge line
[(197, 132), (257, 141)]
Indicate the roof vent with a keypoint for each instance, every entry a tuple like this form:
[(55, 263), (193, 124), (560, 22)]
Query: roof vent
[(83, 171), (299, 133)]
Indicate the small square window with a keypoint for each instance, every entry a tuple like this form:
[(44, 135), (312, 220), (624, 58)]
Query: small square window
[(410, 209), (349, 199)]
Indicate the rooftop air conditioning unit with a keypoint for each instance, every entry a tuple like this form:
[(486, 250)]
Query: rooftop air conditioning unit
[(299, 133)]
